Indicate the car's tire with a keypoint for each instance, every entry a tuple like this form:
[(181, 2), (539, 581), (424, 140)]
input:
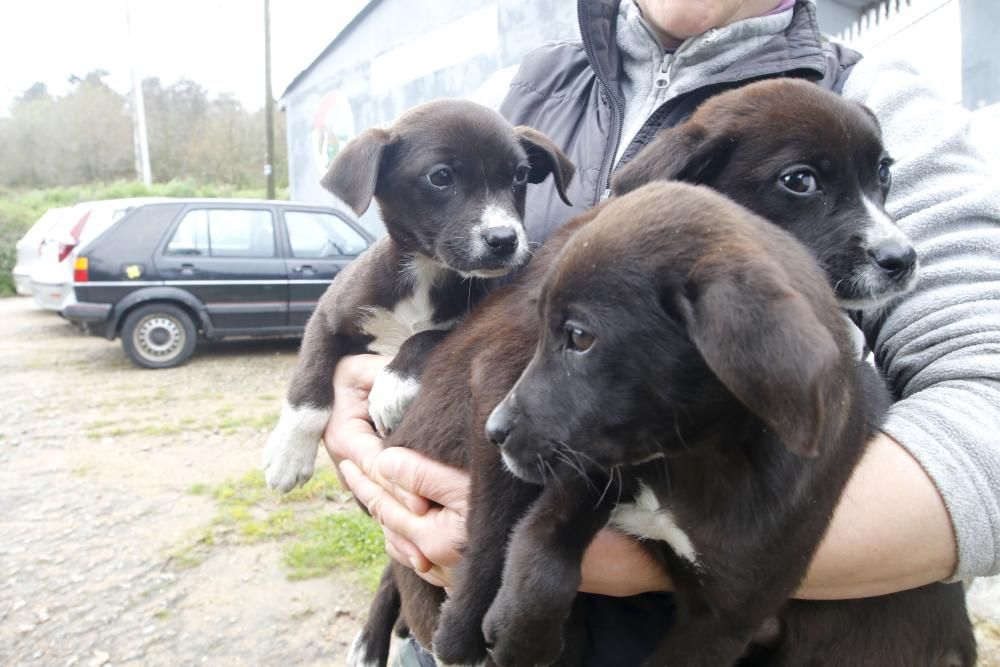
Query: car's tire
[(159, 335)]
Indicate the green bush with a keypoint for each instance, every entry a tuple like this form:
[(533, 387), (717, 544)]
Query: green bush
[(19, 209)]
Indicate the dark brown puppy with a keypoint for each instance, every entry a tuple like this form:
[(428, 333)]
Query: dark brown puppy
[(450, 177), (806, 159), (694, 364)]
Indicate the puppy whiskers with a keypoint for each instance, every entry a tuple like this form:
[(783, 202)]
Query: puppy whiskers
[(611, 478), (562, 489), (576, 467)]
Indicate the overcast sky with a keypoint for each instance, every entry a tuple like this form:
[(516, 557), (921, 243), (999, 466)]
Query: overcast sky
[(217, 43)]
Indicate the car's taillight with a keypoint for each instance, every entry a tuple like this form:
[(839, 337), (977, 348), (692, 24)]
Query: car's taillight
[(65, 249), (81, 270), (78, 227)]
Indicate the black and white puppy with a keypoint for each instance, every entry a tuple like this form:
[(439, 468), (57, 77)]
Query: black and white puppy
[(450, 178), (695, 384)]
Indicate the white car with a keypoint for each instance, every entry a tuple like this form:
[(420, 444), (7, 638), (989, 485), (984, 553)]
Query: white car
[(29, 246), (52, 274)]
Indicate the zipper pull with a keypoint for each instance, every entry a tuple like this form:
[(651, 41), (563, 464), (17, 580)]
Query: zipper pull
[(663, 74)]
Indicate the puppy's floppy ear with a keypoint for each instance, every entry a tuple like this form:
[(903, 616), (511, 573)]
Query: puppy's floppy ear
[(683, 153), (546, 158), (766, 345), (353, 174)]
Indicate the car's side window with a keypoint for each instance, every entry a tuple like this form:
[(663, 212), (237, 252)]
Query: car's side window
[(313, 234), (191, 236), (224, 233), (241, 233)]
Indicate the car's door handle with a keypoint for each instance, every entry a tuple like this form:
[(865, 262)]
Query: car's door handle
[(305, 269), (187, 269)]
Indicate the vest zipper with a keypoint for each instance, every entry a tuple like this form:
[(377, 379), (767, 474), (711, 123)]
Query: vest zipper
[(605, 178)]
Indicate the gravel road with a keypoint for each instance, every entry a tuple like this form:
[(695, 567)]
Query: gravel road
[(97, 460)]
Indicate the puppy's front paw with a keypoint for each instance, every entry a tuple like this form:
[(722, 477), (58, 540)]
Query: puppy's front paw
[(290, 453), (459, 638), (357, 656), (516, 640), (390, 396)]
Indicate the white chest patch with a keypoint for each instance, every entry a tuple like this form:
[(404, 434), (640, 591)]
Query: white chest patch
[(414, 314), (647, 519)]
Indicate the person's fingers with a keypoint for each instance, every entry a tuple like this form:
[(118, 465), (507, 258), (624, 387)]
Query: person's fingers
[(383, 506), (426, 478), (409, 554), (434, 578), (355, 374), (348, 434), (431, 574), (403, 551), (416, 504)]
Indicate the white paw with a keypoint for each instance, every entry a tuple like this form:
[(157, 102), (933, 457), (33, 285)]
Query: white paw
[(356, 656), (290, 453), (389, 398)]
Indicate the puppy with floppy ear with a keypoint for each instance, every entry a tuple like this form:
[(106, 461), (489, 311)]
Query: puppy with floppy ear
[(809, 161), (693, 364), (450, 177)]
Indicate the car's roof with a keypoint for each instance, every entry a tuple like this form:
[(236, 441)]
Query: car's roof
[(255, 202)]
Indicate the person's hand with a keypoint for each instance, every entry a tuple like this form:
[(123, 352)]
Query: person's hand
[(408, 518), (426, 538)]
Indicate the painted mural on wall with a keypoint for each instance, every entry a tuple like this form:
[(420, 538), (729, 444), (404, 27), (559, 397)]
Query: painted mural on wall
[(332, 127)]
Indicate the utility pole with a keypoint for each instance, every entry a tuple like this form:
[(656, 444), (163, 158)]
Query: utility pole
[(139, 139), (268, 101)]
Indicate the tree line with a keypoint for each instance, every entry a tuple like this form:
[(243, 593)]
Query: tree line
[(85, 136)]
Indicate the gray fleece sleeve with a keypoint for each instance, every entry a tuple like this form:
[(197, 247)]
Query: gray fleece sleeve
[(939, 347)]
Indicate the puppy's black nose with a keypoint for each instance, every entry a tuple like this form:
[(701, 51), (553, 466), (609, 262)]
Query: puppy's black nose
[(498, 425), (895, 258), (501, 240)]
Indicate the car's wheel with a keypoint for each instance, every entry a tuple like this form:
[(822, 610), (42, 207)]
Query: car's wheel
[(159, 336)]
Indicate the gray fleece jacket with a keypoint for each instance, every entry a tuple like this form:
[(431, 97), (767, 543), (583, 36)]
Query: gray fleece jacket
[(939, 347)]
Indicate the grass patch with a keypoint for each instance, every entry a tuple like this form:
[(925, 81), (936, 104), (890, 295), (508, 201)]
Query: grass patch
[(161, 429), (346, 539), (318, 541), (256, 421), (193, 551)]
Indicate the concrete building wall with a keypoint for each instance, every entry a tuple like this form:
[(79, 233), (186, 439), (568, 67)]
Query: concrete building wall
[(401, 54)]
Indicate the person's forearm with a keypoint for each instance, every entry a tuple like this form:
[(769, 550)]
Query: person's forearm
[(890, 532)]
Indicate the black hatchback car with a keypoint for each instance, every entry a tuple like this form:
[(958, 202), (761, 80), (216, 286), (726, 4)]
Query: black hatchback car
[(171, 273)]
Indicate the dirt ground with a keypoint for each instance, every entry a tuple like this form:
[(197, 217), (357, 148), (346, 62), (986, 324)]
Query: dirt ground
[(97, 462), (95, 480)]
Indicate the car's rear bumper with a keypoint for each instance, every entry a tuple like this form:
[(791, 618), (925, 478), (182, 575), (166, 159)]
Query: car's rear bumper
[(22, 283), (91, 316), (52, 296)]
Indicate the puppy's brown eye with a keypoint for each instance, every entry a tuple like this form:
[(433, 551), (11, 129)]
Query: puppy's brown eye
[(802, 182), (441, 177), (885, 172), (520, 175), (578, 340)]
